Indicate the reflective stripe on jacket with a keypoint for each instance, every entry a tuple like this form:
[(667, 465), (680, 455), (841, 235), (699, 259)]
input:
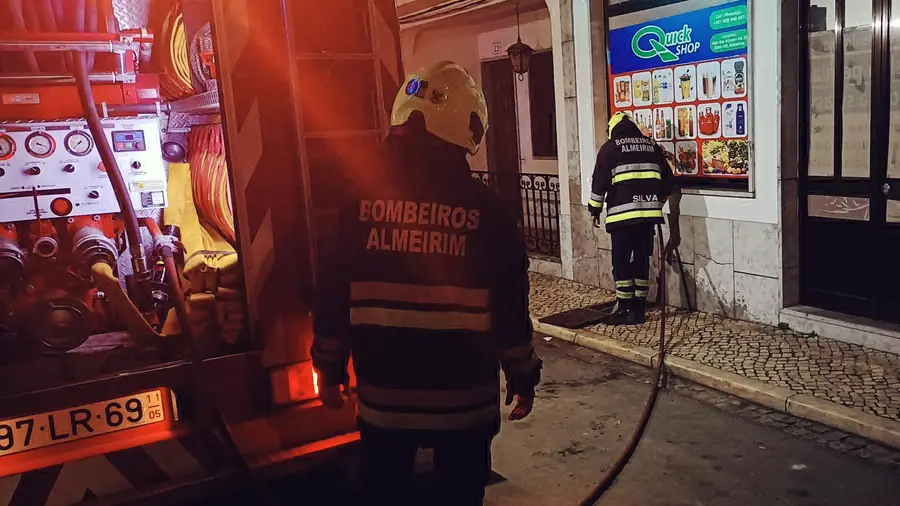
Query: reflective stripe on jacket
[(632, 177), (425, 281)]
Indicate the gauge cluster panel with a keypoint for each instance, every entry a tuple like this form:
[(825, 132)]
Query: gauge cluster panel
[(58, 164)]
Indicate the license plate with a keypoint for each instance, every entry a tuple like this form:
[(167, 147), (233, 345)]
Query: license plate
[(72, 424)]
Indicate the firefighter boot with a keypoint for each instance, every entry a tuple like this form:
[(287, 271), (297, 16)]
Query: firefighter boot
[(623, 315), (640, 311)]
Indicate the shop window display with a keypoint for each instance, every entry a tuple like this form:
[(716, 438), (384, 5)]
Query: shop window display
[(681, 71)]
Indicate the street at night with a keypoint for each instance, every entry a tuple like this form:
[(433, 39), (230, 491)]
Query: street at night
[(703, 191), (702, 448)]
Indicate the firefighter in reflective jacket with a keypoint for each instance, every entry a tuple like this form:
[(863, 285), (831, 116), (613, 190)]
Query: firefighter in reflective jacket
[(634, 178), (428, 291)]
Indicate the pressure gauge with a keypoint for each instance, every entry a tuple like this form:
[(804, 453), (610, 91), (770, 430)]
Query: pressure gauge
[(79, 143), (7, 147), (40, 145)]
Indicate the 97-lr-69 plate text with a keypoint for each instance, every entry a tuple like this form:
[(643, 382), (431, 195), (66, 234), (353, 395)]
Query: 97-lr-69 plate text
[(72, 424)]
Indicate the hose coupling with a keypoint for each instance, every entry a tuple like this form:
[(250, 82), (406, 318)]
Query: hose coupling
[(12, 261), (45, 247), (140, 264), (92, 246), (162, 243)]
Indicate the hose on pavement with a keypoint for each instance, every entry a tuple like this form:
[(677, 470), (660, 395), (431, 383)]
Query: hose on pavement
[(656, 386)]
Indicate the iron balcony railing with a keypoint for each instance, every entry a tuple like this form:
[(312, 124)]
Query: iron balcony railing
[(537, 206)]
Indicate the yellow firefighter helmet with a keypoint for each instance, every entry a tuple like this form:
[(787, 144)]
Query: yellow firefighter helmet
[(450, 101), (615, 120)]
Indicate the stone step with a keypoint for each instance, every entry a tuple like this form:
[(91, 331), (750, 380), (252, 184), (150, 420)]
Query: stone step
[(841, 327)]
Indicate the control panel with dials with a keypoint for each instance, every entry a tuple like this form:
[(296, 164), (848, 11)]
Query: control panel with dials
[(59, 164)]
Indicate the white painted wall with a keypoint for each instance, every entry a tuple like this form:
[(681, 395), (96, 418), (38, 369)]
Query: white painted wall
[(469, 45), (530, 165), (581, 27)]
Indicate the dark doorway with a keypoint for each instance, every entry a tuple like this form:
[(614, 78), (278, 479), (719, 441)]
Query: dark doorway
[(502, 143), (850, 157), (542, 105)]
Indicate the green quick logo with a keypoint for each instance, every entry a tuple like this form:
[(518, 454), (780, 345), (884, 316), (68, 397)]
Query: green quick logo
[(652, 41)]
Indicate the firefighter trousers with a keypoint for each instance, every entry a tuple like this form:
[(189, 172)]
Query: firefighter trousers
[(632, 246), (462, 465)]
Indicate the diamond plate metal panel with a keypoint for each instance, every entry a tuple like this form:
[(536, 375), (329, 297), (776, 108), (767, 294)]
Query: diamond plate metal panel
[(179, 125), (132, 13)]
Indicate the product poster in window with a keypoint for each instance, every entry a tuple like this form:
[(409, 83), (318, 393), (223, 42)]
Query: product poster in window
[(684, 80)]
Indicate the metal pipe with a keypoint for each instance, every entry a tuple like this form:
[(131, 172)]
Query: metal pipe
[(97, 77), (132, 109), (126, 36), (62, 45), (120, 63)]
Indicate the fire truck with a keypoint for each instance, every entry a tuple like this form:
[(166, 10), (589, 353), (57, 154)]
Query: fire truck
[(167, 168)]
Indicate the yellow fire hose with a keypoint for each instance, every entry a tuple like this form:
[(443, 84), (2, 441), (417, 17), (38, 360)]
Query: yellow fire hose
[(211, 271), (212, 274), (211, 268), (125, 309), (174, 63)]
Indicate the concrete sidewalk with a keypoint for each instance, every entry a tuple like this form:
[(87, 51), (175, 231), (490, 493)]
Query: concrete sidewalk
[(842, 385)]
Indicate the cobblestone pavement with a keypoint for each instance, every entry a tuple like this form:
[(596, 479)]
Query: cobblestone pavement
[(843, 373)]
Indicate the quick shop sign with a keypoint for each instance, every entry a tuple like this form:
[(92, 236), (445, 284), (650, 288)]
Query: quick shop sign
[(706, 34)]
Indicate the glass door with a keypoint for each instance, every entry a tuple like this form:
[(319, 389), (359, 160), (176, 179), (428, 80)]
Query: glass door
[(839, 170), (850, 175), (888, 192)]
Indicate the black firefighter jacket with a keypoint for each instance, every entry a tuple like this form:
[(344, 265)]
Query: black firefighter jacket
[(427, 288), (632, 176)]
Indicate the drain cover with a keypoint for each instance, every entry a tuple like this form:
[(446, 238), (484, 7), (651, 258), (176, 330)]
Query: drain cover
[(581, 317)]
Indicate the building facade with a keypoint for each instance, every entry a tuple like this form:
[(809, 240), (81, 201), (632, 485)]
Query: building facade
[(790, 211), (702, 76)]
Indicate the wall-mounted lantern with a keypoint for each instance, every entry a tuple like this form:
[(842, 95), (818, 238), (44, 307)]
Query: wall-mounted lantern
[(519, 53)]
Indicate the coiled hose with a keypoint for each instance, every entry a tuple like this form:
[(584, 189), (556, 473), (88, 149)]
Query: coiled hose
[(174, 63), (51, 16), (656, 386), (18, 23), (209, 179)]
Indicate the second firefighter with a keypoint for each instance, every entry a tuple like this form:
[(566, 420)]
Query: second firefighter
[(634, 179)]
